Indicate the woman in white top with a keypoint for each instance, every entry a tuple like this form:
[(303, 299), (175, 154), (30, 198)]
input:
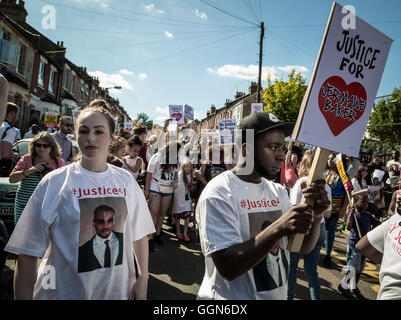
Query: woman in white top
[(362, 183), (161, 180), (87, 221)]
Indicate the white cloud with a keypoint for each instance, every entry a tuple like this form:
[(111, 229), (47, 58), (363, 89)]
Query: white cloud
[(201, 15), (143, 76), (126, 72), (111, 80), (251, 72), (164, 111), (169, 34), (151, 8)]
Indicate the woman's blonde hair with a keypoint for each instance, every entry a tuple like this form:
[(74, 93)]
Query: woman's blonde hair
[(306, 163), (99, 106), (55, 151)]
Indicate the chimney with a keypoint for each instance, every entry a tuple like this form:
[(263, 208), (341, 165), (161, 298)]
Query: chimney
[(253, 88), (208, 114), (212, 109), (13, 10), (238, 95)]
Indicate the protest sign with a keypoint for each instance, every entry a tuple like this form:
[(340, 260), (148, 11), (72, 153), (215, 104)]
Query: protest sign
[(256, 107), (339, 99), (50, 120), (189, 112), (177, 113), (227, 130), (340, 96), (129, 126)]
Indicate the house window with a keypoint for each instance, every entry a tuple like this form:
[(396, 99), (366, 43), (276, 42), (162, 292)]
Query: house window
[(8, 49), (19, 66), (51, 80), (65, 78), (41, 75), (73, 83)]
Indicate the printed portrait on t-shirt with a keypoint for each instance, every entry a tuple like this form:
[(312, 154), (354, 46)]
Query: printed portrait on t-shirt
[(101, 233), (272, 272)]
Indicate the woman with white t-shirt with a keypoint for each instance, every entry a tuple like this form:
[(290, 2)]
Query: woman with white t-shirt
[(161, 180), (87, 221), (311, 259)]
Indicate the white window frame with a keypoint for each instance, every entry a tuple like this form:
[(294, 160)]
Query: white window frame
[(53, 71), (41, 73)]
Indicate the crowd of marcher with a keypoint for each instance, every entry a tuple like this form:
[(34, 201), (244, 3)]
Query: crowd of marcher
[(95, 216)]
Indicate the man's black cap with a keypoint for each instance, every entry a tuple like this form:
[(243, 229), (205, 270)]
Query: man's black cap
[(264, 121), (378, 154)]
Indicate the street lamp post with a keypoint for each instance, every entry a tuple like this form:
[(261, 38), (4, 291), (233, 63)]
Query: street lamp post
[(106, 90)]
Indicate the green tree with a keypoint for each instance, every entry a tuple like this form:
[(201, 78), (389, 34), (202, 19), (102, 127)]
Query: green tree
[(145, 120), (283, 99), (384, 123)]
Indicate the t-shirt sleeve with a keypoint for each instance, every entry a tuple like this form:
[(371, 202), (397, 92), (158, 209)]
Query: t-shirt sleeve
[(24, 163), (31, 235), (296, 194), (218, 224), (377, 236), (141, 223), (10, 136), (152, 165)]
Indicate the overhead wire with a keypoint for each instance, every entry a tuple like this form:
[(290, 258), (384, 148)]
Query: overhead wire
[(246, 2), (253, 11), (216, 33), (182, 23), (196, 47), (227, 12)]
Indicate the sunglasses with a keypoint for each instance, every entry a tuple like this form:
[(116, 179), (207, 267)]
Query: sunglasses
[(40, 145), (68, 125)]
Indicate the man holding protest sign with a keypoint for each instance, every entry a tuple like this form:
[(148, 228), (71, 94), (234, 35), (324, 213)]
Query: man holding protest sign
[(243, 217)]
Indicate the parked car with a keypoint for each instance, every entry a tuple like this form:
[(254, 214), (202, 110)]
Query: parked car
[(8, 190)]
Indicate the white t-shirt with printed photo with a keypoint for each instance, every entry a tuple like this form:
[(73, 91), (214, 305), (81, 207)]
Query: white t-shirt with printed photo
[(229, 212), (386, 238), (58, 224), (155, 168)]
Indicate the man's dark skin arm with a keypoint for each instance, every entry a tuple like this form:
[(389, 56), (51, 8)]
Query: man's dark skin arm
[(238, 259), (369, 251)]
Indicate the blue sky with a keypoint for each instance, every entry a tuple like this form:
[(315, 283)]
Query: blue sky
[(166, 52)]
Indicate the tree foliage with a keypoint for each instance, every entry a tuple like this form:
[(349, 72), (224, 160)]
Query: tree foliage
[(283, 99), (385, 119), (145, 120)]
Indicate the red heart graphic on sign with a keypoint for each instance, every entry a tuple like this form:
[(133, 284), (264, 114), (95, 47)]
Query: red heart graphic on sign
[(341, 104), (176, 116)]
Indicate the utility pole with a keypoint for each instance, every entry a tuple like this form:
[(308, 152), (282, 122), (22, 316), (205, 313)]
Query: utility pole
[(262, 34)]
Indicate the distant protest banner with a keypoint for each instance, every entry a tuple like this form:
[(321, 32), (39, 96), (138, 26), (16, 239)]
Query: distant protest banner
[(189, 112), (129, 126), (177, 113), (227, 130), (338, 102), (50, 120), (256, 107)]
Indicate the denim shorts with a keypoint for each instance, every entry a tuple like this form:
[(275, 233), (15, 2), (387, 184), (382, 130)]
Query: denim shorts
[(355, 259), (162, 194)]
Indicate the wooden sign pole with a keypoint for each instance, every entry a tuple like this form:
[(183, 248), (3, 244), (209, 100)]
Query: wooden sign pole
[(316, 173), (350, 200)]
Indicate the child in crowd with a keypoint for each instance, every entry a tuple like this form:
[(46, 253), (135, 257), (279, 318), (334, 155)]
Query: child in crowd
[(183, 200), (355, 258), (132, 162)]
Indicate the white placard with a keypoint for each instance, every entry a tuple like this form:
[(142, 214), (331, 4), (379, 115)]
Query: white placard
[(177, 113), (337, 106), (189, 112), (378, 174), (129, 126), (256, 107), (227, 130)]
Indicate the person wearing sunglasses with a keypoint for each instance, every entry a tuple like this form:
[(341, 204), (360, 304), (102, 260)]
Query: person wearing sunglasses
[(42, 157), (65, 128)]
